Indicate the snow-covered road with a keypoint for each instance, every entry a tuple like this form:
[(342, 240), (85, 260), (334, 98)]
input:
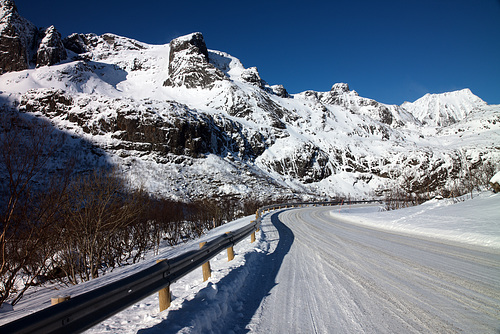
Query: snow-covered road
[(330, 276), (433, 268)]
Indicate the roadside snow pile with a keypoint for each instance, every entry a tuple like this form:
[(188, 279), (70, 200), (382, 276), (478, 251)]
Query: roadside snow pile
[(146, 313), (495, 182), (475, 221), (200, 307)]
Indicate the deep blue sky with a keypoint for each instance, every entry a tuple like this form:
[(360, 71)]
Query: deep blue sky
[(392, 51)]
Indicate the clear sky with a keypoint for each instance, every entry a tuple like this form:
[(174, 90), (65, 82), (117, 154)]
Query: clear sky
[(389, 50)]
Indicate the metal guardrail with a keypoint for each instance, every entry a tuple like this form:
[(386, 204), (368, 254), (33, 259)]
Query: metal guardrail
[(88, 309)]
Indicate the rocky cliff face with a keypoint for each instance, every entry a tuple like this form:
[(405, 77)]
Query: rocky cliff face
[(18, 39), (51, 49), (189, 64), (173, 130), (22, 44), (188, 122)]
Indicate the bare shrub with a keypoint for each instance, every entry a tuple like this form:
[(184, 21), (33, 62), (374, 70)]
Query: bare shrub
[(100, 212), (470, 180), (29, 203), (168, 216)]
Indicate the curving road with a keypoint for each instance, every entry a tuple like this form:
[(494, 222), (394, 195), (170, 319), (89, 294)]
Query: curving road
[(330, 276)]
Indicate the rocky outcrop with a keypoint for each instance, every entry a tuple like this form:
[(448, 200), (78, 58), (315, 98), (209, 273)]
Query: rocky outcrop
[(49, 102), (18, 38), (51, 49), (78, 43), (22, 44), (306, 163), (339, 89), (280, 91), (495, 183), (189, 64), (251, 75), (94, 47), (175, 130)]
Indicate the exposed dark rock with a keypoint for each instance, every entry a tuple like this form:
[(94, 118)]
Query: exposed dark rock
[(385, 114), (198, 41), (280, 91), (251, 75), (18, 38), (94, 47), (308, 163), (118, 43), (184, 132), (51, 50), (495, 186), (188, 135), (189, 65), (47, 101), (78, 43)]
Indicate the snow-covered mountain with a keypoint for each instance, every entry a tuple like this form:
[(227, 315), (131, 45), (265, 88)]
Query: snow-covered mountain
[(186, 122), (444, 109)]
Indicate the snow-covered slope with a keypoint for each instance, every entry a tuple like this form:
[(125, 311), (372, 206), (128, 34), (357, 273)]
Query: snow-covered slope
[(188, 122), (444, 109)]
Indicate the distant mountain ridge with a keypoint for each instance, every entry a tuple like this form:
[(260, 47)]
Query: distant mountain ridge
[(446, 108), (189, 122)]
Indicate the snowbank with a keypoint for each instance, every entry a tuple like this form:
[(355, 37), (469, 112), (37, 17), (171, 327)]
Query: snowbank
[(475, 221), (147, 311), (495, 178), (495, 182), (197, 305)]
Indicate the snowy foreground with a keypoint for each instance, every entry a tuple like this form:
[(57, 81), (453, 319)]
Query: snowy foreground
[(431, 268)]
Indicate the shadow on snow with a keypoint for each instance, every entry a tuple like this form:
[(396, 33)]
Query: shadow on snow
[(230, 304)]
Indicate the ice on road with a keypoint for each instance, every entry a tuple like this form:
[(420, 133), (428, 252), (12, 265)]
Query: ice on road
[(331, 276)]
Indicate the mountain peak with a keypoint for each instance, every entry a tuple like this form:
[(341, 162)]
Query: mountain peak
[(339, 88), (7, 7), (18, 38), (445, 108), (189, 63), (51, 49), (195, 40)]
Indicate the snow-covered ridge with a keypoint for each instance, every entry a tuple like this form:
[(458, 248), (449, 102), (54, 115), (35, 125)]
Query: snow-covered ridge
[(245, 134), (446, 108)]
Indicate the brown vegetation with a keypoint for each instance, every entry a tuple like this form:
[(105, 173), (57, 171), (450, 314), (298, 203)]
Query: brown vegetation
[(71, 226), (472, 179), (27, 215)]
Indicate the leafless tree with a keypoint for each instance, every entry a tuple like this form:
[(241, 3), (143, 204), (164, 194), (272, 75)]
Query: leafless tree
[(30, 199), (100, 208)]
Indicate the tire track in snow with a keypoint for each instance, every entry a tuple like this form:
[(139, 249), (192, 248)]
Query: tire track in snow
[(347, 278)]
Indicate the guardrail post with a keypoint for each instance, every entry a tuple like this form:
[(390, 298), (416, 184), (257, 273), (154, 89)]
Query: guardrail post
[(258, 228), (207, 273), (59, 299), (164, 296), (252, 237), (230, 252)]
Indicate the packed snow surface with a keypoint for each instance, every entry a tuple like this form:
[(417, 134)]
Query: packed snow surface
[(343, 269), (478, 219)]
